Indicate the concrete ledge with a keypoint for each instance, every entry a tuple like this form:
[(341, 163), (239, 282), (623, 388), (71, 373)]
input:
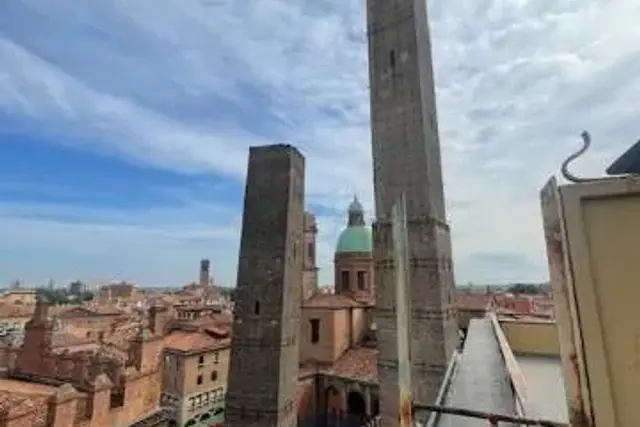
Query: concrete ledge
[(518, 381), (480, 381)]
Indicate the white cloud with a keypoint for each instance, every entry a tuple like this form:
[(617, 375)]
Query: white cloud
[(188, 85)]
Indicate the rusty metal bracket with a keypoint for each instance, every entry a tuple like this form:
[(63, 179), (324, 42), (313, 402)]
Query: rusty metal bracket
[(586, 143)]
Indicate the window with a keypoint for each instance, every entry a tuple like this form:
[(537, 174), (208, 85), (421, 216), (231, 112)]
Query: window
[(256, 308), (214, 375), (361, 282), (100, 335), (315, 330), (200, 361), (216, 357), (345, 281), (199, 379), (311, 252), (392, 59)]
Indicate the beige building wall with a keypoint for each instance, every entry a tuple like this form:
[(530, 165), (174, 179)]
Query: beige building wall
[(24, 297), (339, 329), (325, 350), (532, 337), (593, 245), (198, 381)]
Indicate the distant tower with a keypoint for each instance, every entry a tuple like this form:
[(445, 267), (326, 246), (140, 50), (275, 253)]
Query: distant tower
[(263, 372), (205, 272), (406, 161), (38, 335), (309, 267), (353, 261)]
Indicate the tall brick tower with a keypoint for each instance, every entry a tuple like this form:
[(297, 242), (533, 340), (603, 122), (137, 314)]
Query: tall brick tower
[(406, 160), (263, 373)]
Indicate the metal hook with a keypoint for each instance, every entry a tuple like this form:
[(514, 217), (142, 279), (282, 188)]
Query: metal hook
[(586, 143)]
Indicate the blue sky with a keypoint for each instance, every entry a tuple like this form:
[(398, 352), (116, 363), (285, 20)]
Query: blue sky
[(124, 125)]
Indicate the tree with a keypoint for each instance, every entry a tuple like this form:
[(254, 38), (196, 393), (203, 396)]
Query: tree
[(62, 296), (524, 288)]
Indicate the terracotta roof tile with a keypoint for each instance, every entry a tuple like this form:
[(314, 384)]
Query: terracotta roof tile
[(359, 364), (473, 301), (213, 320), (218, 331), (188, 341), (330, 301)]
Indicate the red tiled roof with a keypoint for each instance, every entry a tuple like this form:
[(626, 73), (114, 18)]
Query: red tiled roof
[(188, 341), (212, 320), (473, 301), (330, 301), (218, 331), (360, 364)]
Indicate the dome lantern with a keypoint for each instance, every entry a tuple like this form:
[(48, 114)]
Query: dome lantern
[(356, 238)]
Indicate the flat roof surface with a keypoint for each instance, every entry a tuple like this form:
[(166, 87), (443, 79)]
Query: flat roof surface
[(480, 381), (545, 387)]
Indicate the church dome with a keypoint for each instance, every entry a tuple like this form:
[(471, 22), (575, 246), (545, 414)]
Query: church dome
[(356, 238)]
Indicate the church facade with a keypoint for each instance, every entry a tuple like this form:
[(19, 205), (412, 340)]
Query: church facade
[(338, 356)]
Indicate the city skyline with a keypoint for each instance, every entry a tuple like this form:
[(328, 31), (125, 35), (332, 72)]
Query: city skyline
[(127, 126)]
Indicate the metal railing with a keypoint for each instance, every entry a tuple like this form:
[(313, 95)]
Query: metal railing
[(492, 419)]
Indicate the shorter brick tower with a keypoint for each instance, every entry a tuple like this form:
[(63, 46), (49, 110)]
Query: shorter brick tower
[(264, 365)]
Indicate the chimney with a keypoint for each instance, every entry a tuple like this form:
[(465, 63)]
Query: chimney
[(158, 319)]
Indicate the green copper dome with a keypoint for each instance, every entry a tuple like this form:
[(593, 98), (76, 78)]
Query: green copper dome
[(356, 238)]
